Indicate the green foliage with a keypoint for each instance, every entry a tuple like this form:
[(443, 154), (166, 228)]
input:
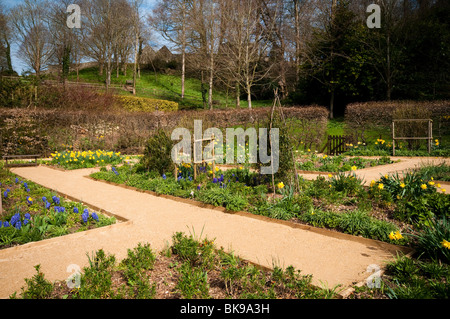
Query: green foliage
[(158, 153), (192, 251), (408, 278), (37, 287), (193, 282), (431, 240), (95, 282), (223, 197), (348, 183)]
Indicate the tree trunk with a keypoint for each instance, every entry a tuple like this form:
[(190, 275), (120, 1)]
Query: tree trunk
[(332, 104), (211, 78), (238, 96)]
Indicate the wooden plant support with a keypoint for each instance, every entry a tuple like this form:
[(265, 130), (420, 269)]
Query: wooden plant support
[(213, 161), (429, 136)]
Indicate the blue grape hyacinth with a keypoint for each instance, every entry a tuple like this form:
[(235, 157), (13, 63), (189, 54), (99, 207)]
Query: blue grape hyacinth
[(56, 200), (85, 216), (75, 210), (94, 216)]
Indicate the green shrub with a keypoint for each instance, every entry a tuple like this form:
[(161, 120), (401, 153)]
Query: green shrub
[(158, 153), (193, 282), (37, 287), (96, 280), (141, 104)]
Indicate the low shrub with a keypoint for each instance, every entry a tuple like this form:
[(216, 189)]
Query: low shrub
[(158, 153)]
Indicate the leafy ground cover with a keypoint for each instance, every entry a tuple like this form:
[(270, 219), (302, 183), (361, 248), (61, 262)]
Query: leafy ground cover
[(191, 268), (34, 213)]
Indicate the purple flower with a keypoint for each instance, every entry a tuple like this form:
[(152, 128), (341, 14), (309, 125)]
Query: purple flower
[(27, 216), (215, 180), (44, 199), (47, 205), (85, 215), (164, 176), (56, 200), (5, 224), (26, 221), (17, 180), (5, 194), (94, 216), (198, 187), (75, 210), (18, 225)]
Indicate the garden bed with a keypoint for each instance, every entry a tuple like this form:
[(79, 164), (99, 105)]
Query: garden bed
[(340, 202), (33, 213), (313, 163)]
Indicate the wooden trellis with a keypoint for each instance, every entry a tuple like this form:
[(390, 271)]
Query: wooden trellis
[(429, 136), (211, 160)]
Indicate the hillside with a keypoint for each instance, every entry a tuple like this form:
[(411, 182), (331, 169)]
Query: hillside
[(164, 86)]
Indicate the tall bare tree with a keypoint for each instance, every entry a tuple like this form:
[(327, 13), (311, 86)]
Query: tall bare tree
[(31, 27), (5, 41), (171, 19)]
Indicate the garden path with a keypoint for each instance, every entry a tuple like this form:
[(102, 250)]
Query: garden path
[(405, 164), (331, 257)]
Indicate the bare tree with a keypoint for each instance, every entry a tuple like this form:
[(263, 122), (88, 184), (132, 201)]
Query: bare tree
[(5, 41), (245, 49), (31, 27), (170, 18), (106, 24)]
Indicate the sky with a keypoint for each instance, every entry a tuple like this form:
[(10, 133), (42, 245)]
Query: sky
[(18, 65)]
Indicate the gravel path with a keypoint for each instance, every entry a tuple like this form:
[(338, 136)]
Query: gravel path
[(332, 258)]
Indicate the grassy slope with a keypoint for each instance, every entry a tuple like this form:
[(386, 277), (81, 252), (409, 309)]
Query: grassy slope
[(164, 86)]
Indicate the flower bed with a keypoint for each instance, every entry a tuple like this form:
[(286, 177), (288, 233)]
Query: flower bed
[(334, 164), (339, 202), (34, 213), (85, 159)]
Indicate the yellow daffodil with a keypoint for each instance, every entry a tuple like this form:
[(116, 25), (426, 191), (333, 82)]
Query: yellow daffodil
[(380, 186), (445, 244), (438, 185), (402, 185), (395, 236), (330, 176), (354, 168), (372, 183), (443, 190), (423, 186), (280, 185), (431, 183)]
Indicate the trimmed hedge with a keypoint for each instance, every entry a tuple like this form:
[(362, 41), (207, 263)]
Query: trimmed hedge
[(25, 131), (141, 104), (362, 116)]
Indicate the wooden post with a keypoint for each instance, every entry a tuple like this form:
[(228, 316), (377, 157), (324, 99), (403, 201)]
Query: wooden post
[(393, 138), (213, 156)]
